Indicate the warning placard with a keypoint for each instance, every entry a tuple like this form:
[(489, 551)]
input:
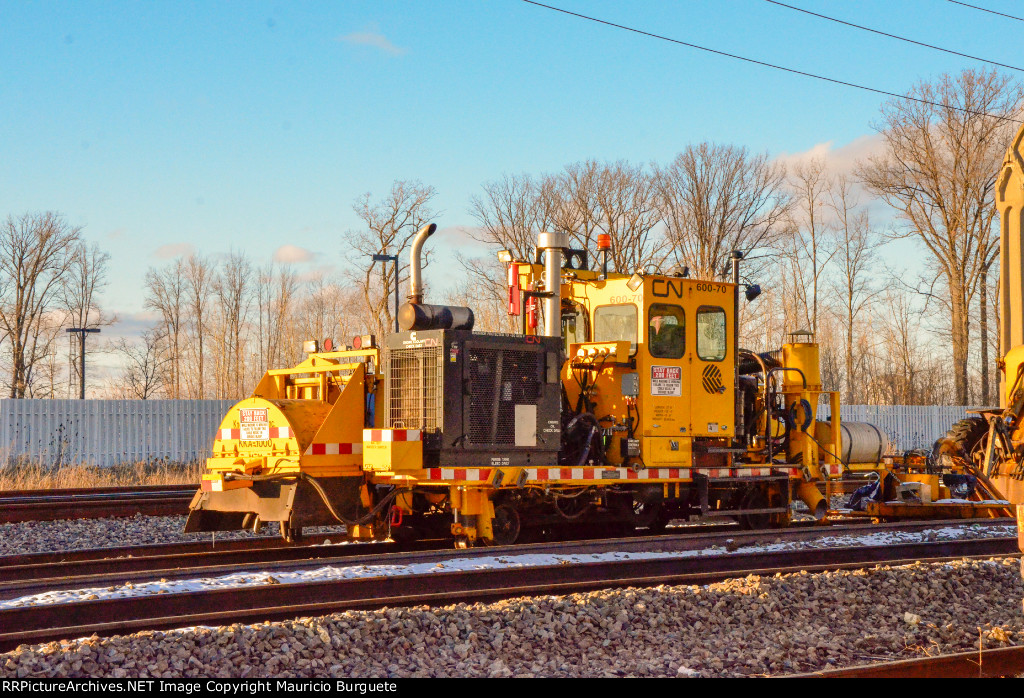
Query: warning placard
[(667, 381), (254, 424)]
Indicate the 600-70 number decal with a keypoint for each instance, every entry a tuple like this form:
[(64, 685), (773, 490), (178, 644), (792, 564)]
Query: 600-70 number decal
[(664, 288), (713, 288)]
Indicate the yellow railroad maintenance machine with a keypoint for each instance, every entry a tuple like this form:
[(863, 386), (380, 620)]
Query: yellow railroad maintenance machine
[(626, 401), (990, 444)]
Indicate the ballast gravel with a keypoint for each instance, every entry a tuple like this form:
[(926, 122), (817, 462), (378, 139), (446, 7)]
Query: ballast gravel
[(749, 626), (80, 534)]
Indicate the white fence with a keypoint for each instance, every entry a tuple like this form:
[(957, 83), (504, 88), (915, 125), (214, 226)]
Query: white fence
[(907, 426), (107, 432)]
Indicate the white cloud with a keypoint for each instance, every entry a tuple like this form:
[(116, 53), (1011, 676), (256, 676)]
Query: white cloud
[(174, 249), (375, 40), (842, 160), (131, 325), (324, 272), (291, 254)]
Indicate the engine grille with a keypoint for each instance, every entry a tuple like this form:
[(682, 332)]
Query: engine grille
[(415, 397), (500, 379)]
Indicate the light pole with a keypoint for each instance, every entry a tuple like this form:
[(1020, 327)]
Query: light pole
[(391, 258), (81, 354)]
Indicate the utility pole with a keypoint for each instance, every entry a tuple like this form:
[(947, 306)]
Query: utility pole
[(391, 258), (81, 355)]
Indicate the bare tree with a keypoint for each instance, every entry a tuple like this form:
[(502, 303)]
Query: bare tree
[(718, 198), (165, 294), (511, 212), (275, 298), (85, 279), (809, 233), (142, 374), (852, 283), (199, 276), (390, 225), (627, 205), (325, 310), (36, 251), (938, 172), (233, 289)]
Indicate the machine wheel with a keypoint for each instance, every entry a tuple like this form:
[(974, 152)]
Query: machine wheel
[(968, 434), (660, 522), (506, 525), (756, 498), (645, 507)]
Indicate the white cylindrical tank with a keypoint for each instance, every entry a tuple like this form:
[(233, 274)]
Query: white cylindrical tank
[(862, 442)]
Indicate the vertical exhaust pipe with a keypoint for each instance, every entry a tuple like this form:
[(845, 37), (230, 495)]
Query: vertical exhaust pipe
[(417, 315), (416, 266), (553, 244)]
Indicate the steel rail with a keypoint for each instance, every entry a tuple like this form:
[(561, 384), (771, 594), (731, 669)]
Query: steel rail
[(49, 622), (84, 503), (78, 491), (990, 663), (20, 573)]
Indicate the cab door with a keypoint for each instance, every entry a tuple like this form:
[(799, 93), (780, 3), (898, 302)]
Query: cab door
[(712, 373), (667, 408)]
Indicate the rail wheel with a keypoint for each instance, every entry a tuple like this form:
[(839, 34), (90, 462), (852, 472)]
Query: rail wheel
[(756, 498), (660, 522), (506, 525), (645, 508), (291, 534)]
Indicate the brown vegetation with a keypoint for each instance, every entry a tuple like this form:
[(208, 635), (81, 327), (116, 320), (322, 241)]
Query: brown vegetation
[(28, 475)]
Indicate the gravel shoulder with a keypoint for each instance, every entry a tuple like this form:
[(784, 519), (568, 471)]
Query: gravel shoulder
[(81, 534), (750, 626)]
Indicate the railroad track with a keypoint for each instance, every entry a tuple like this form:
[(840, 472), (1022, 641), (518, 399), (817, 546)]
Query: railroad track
[(18, 506), (20, 574), (990, 663), (44, 623)]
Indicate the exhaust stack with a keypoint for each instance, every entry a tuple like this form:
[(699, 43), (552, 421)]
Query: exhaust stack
[(415, 267), (417, 315), (553, 244)]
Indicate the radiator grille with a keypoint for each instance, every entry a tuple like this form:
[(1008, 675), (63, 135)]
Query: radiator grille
[(415, 396), (500, 379)]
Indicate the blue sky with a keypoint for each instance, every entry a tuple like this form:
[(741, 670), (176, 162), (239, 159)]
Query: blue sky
[(168, 126)]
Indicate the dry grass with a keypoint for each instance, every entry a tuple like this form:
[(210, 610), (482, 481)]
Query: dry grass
[(39, 476)]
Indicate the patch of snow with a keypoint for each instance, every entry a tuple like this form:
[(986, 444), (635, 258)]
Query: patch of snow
[(327, 573)]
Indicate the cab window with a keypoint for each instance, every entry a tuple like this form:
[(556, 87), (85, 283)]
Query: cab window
[(616, 323), (666, 331), (711, 334), (574, 326)]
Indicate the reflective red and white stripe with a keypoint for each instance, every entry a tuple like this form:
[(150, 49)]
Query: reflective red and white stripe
[(378, 435), (832, 469), (605, 474), (275, 433), (735, 472), (460, 474), (333, 449)]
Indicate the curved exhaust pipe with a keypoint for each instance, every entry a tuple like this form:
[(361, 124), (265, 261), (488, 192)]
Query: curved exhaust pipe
[(417, 315), (415, 267)]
